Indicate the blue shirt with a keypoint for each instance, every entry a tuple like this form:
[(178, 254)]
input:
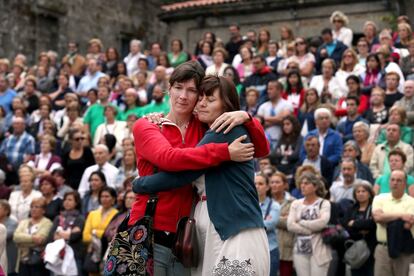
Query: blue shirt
[(89, 81), (330, 47), (270, 220), (16, 147), (6, 99)]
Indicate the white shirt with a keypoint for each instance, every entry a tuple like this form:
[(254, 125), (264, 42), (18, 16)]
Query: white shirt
[(344, 35), (110, 172), (131, 62), (20, 206), (322, 141), (117, 129), (342, 75), (333, 86), (42, 161), (267, 109), (211, 70), (393, 67)]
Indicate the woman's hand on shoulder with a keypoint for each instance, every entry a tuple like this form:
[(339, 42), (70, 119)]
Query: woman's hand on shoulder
[(229, 120)]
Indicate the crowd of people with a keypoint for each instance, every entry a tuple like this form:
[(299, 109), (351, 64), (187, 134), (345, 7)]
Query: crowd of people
[(330, 119)]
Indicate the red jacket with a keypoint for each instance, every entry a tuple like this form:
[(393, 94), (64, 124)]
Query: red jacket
[(169, 151), (363, 106)]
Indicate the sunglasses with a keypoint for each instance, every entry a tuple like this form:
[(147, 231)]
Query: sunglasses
[(337, 21), (300, 43), (79, 139)]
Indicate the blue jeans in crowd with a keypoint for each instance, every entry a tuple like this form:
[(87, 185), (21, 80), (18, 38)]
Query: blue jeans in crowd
[(274, 262), (166, 264)]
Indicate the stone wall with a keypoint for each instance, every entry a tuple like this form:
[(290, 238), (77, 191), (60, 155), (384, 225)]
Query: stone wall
[(32, 26), (305, 20)]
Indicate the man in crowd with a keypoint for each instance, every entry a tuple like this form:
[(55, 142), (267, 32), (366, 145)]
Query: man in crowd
[(273, 111), (158, 104), (160, 79), (101, 154), (155, 52), (344, 188), (392, 94), (395, 208), (234, 43), (18, 148), (6, 94), (378, 164), (259, 79), (77, 61), (320, 162), (408, 101), (331, 48), (345, 126), (90, 80), (330, 140)]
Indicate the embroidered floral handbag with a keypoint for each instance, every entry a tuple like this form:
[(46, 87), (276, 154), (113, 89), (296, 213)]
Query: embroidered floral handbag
[(131, 251)]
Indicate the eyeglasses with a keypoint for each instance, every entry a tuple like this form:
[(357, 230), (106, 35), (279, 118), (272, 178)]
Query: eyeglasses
[(300, 43), (362, 45), (79, 139), (337, 21)]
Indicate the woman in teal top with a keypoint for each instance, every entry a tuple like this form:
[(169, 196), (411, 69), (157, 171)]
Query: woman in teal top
[(230, 225), (177, 55)]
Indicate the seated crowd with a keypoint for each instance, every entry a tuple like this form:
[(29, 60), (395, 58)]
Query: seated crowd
[(337, 109)]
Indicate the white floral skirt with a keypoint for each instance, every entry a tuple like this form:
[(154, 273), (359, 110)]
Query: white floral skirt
[(244, 254)]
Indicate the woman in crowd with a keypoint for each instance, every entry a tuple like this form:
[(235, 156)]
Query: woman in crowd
[(205, 58), (370, 33), (372, 75), (20, 200), (271, 212), (177, 55), (112, 228), (286, 154), (286, 37), (307, 111), (354, 89), (245, 68), (405, 34), (278, 188), (70, 120), (327, 83), (77, 159), (45, 162), (58, 97), (306, 59), (307, 218), (360, 132), (11, 225), (90, 201), (164, 61), (349, 66), (294, 92), (360, 224), (340, 32), (111, 126), (252, 100), (97, 220), (48, 188), (127, 168), (30, 237), (69, 226), (218, 66), (233, 75), (263, 41), (363, 51), (244, 237), (112, 59)]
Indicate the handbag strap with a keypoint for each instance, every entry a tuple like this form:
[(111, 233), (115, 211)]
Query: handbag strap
[(268, 209)]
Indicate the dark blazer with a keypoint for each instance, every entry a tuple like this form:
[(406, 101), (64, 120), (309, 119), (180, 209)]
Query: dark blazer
[(326, 170), (336, 55), (363, 172)]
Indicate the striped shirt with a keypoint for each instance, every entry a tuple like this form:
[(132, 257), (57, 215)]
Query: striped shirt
[(16, 147)]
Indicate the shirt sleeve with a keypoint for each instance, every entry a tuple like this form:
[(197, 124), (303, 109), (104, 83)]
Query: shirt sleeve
[(154, 147), (258, 137)]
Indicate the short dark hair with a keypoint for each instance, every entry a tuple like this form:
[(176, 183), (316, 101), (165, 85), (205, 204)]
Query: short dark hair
[(353, 98), (100, 175), (227, 90), (261, 57), (326, 31), (187, 71), (145, 60), (398, 152)]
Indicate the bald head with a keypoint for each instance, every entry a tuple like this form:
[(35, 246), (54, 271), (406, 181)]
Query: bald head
[(398, 183), (409, 89), (160, 73)]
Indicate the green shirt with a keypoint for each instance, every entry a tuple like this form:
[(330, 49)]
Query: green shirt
[(94, 116), (163, 107), (384, 182), (136, 111), (406, 135)]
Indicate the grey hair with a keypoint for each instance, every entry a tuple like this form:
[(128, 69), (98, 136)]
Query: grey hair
[(350, 160), (135, 41), (364, 126), (354, 145), (323, 110), (341, 16), (103, 147)]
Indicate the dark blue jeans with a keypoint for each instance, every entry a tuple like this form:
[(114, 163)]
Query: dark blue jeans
[(274, 262)]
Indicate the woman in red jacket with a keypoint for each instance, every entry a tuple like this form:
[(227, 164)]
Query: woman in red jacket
[(294, 92)]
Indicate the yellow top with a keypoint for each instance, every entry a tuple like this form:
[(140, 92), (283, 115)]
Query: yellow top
[(388, 204), (96, 222)]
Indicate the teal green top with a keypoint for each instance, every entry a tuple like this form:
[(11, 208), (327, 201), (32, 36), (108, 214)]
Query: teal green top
[(182, 57), (94, 116), (136, 111), (163, 107), (384, 182), (406, 135)]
